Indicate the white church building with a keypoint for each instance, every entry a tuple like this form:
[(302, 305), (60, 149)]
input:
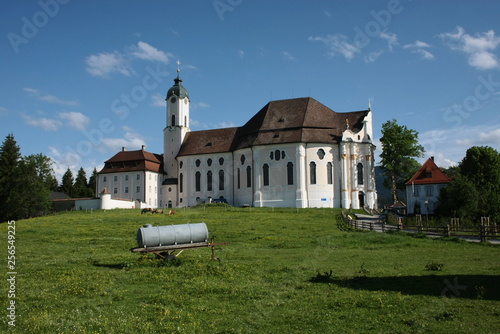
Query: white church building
[(292, 153)]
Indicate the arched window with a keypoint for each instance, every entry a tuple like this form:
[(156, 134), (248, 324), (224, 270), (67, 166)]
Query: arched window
[(181, 182), (242, 159), (173, 120), (238, 180), (360, 173), (277, 155), (329, 173), (221, 180), (185, 121), (197, 179), (265, 176), (249, 176), (289, 173), (209, 162), (198, 162), (209, 180), (312, 172)]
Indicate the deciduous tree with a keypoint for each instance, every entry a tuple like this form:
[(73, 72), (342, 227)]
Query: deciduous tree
[(400, 147)]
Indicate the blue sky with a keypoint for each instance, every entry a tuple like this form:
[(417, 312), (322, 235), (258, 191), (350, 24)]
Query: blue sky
[(81, 79)]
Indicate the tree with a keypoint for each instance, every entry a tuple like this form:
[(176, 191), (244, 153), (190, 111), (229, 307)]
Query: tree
[(80, 188), (475, 191), (25, 182), (35, 175), (400, 147), (67, 183), (93, 183), (9, 161)]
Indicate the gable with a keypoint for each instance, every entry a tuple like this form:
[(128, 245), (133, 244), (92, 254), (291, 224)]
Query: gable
[(429, 173)]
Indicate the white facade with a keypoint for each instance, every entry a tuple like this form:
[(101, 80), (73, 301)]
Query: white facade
[(332, 168)]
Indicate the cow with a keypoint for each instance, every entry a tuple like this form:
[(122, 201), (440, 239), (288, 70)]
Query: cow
[(171, 212), (157, 211), (146, 210)]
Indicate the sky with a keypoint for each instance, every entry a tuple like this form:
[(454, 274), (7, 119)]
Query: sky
[(82, 79)]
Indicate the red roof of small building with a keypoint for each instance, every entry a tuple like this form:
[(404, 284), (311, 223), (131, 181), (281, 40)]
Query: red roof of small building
[(132, 161), (429, 173)]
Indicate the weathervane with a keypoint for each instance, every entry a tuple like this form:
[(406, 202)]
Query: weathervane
[(178, 66)]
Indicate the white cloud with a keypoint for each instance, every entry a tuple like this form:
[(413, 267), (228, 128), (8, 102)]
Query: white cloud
[(392, 39), (327, 13), (103, 64), (419, 48), (287, 55), (49, 98), (4, 111), (147, 52), (241, 54), (372, 56), (42, 122), (452, 143), (75, 120), (479, 48), (131, 139), (158, 100), (338, 44)]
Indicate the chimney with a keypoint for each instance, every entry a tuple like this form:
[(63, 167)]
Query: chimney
[(143, 147), (432, 158), (124, 148)]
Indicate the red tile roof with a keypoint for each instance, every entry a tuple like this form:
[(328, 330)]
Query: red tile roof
[(429, 173), (131, 161)]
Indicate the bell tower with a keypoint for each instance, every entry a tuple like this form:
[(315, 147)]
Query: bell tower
[(177, 124)]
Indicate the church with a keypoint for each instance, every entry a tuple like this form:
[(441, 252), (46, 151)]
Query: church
[(292, 153)]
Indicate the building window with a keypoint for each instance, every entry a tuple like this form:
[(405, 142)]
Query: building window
[(115, 190), (277, 155), (221, 161), (181, 164), (209, 162), (198, 162), (271, 155), (265, 170), (289, 173), (416, 191), (221, 180), (329, 172), (181, 183), (197, 181), (321, 154), (115, 178), (360, 173), (242, 159), (249, 176), (429, 190), (126, 177), (104, 179), (138, 189), (173, 120), (138, 177), (238, 178), (126, 190), (209, 180), (312, 172)]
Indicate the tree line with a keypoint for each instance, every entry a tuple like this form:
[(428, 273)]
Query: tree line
[(26, 183)]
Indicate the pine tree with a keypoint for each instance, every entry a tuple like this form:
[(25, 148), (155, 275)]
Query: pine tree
[(80, 188), (92, 186), (67, 183), (9, 161)]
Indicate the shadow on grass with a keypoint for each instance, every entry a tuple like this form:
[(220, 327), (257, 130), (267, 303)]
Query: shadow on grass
[(453, 286)]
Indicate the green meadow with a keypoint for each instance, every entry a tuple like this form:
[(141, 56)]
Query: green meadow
[(283, 270)]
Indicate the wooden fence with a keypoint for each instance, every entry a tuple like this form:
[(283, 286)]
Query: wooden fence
[(483, 232)]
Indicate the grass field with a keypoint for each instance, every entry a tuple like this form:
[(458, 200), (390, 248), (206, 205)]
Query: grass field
[(284, 270)]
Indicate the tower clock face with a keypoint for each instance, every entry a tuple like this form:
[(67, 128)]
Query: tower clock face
[(173, 99)]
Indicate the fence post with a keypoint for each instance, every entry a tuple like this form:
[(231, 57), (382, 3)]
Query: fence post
[(483, 237), (447, 231), (371, 226), (419, 227)]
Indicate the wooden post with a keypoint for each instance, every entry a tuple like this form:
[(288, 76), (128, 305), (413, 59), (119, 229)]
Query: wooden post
[(371, 226), (447, 230), (482, 232)]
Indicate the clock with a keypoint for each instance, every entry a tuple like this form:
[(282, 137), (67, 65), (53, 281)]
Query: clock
[(173, 99)]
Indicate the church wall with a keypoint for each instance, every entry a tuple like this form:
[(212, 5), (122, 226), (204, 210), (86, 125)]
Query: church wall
[(190, 195), (321, 193), (242, 160)]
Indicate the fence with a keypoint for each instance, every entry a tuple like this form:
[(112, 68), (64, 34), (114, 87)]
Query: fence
[(483, 232)]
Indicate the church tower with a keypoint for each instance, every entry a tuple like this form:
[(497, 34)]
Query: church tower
[(177, 125)]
